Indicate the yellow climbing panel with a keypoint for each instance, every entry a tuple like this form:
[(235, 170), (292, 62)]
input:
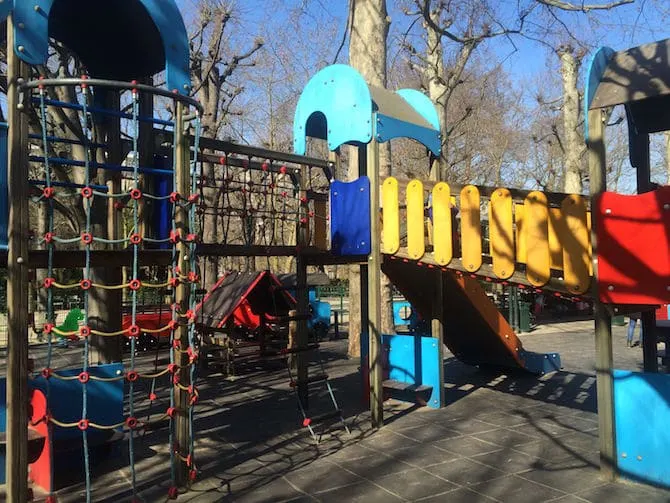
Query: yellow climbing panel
[(555, 247), (501, 233), (442, 231), (520, 235), (416, 239), (471, 229), (391, 216), (574, 237), (536, 230)]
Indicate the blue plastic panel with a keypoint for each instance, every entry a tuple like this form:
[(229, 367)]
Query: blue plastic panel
[(162, 215), (540, 363), (642, 419), (350, 217), (32, 36), (388, 128), (104, 399), (340, 95), (415, 360), (597, 67)]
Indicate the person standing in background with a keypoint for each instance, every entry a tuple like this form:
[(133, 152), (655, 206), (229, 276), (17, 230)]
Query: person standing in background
[(634, 317)]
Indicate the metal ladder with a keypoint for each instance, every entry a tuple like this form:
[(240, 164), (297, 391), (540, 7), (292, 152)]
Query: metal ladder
[(321, 376)]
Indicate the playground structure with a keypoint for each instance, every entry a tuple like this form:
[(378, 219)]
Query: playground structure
[(277, 205)]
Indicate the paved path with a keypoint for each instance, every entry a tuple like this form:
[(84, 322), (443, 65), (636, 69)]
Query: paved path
[(506, 438)]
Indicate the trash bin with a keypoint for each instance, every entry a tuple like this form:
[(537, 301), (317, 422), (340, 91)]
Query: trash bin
[(618, 321), (524, 316)]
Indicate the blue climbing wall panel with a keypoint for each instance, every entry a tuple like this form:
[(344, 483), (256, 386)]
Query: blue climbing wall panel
[(350, 217), (4, 199), (642, 416)]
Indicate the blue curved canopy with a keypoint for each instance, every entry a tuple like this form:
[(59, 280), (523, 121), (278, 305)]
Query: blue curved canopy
[(597, 67), (120, 39), (337, 105)]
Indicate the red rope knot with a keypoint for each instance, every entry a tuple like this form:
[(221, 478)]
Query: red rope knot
[(173, 493), (135, 194), (172, 367), (488, 279), (131, 423), (49, 282), (84, 85), (87, 238), (193, 277), (190, 315), (172, 325), (222, 160), (191, 238), (85, 284), (311, 214), (40, 86), (175, 237), (153, 397), (119, 206), (282, 170), (265, 166), (306, 422), (244, 191), (245, 163), (46, 372), (284, 193), (189, 460), (304, 200), (85, 331), (132, 376), (175, 197), (84, 377), (522, 287), (193, 400), (176, 344), (194, 198), (48, 192), (271, 186), (192, 475), (135, 239), (303, 221), (133, 331), (83, 424), (51, 499), (49, 237), (87, 192), (174, 282), (135, 284), (176, 379), (48, 328), (192, 355), (171, 412), (134, 89)]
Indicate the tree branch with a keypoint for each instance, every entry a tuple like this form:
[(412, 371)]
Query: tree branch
[(559, 4)]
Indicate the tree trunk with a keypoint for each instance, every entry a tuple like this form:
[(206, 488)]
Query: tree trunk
[(367, 53), (667, 156), (573, 144)]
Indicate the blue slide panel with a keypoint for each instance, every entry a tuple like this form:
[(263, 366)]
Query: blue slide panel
[(350, 217), (641, 418)]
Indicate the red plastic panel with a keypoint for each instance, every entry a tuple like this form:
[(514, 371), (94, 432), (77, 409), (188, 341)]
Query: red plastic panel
[(633, 252)]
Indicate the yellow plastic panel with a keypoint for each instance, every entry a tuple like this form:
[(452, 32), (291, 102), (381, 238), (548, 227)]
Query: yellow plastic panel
[(391, 216), (501, 233), (416, 242), (575, 238), (520, 235), (442, 231), (556, 220), (471, 228), (536, 229)]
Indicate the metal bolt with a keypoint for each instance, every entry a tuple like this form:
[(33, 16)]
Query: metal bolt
[(502, 273), (187, 87), (362, 189), (639, 458), (472, 266), (19, 260), (20, 106), (608, 211), (21, 26), (334, 193), (611, 288), (21, 48), (666, 206), (624, 455)]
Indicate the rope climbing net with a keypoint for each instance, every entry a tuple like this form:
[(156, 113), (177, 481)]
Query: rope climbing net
[(78, 169)]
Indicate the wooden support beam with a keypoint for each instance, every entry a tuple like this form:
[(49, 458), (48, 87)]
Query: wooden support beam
[(603, 320), (183, 186), (17, 280), (374, 291), (437, 326), (302, 300)]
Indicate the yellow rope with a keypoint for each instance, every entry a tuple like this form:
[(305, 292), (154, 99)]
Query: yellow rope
[(65, 287), (64, 425), (108, 334), (155, 330), (110, 287), (106, 427), (153, 376), (65, 334), (64, 378)]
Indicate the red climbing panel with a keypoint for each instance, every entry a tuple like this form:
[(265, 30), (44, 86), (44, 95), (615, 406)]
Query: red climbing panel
[(633, 254)]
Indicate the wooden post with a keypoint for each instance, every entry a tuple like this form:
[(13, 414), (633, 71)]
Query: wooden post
[(17, 281), (302, 294), (603, 320), (437, 322), (183, 187), (374, 292)]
